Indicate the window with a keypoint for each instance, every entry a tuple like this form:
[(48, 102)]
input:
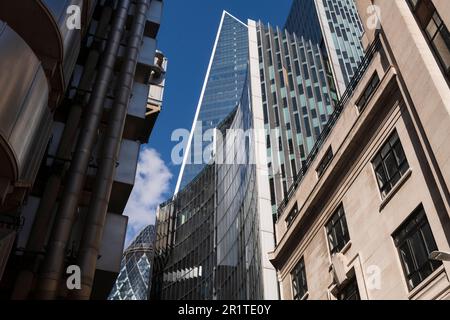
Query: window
[(337, 231), (414, 241), (434, 29), (291, 146), (390, 164), (272, 191), (324, 162), (294, 168), (349, 291), (299, 285), (368, 92), (292, 214)]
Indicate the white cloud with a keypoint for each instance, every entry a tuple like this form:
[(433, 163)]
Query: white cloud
[(151, 185)]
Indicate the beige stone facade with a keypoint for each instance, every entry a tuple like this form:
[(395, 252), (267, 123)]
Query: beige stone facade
[(412, 98)]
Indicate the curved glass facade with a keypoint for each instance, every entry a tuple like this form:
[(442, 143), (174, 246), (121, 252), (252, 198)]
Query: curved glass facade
[(134, 278), (208, 235), (223, 88), (238, 252), (185, 255)]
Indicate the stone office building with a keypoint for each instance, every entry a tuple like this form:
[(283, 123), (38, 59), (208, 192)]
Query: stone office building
[(373, 201)]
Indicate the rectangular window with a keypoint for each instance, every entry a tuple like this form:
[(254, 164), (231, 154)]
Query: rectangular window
[(435, 31), (294, 104), (390, 164), (277, 116), (337, 231), (266, 115), (299, 284), (272, 191), (349, 291), (294, 168), (414, 241), (297, 123), (291, 146), (292, 214), (324, 162), (368, 92)]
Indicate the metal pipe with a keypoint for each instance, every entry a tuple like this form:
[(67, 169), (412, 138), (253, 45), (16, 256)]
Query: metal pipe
[(98, 207), (41, 227), (52, 267), (44, 215)]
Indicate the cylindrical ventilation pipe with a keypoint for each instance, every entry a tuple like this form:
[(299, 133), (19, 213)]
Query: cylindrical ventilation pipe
[(98, 207), (51, 271), (44, 215)]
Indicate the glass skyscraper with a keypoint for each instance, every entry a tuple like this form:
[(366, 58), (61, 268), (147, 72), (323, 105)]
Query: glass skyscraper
[(214, 236), (135, 274), (210, 236), (221, 91), (335, 26), (298, 95)]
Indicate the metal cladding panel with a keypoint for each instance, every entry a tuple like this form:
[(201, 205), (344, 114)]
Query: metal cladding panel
[(136, 126), (147, 54), (24, 115), (155, 12), (32, 129), (113, 242), (138, 100), (19, 66), (128, 159), (71, 38), (125, 175)]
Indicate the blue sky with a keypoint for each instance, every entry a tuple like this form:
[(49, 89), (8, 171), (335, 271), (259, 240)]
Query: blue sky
[(186, 37)]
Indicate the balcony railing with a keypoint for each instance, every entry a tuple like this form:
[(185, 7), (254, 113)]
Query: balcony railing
[(362, 68)]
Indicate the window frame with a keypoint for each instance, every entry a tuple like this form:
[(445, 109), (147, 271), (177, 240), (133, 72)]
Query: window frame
[(350, 289), (380, 161), (441, 29), (340, 222), (368, 91), (325, 162), (298, 274), (417, 222)]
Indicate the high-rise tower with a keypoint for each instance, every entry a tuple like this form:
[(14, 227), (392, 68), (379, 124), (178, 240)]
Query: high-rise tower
[(134, 279), (336, 28), (221, 92), (298, 95), (213, 236)]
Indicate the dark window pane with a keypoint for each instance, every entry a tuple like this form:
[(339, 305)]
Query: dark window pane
[(415, 242), (390, 164), (337, 231), (349, 291), (299, 283)]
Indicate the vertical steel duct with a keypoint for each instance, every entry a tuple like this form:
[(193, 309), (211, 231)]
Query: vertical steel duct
[(98, 207), (45, 214), (51, 271)]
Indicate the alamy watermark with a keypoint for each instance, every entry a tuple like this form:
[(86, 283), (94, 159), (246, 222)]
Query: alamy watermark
[(73, 281), (73, 21), (373, 20)]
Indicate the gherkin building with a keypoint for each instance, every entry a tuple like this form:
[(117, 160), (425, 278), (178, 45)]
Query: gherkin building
[(134, 278)]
